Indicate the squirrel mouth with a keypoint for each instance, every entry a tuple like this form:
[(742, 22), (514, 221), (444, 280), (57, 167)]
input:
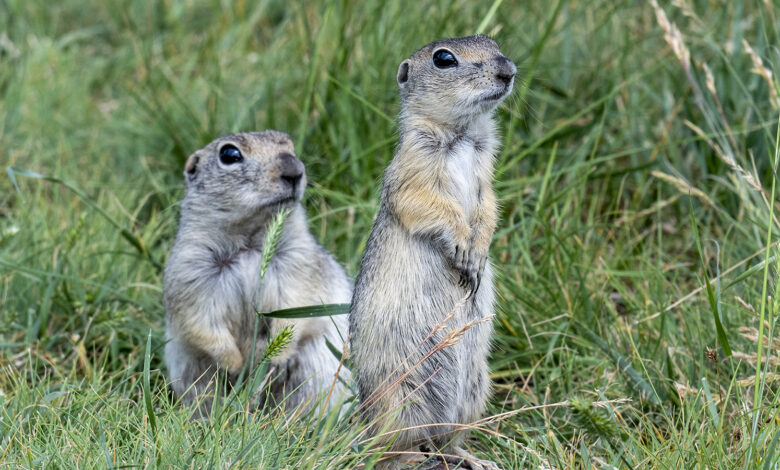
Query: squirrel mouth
[(286, 200), (278, 203), (497, 95)]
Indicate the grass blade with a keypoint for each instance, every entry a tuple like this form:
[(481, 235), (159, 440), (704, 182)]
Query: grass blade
[(310, 81), (719, 331), (488, 16), (147, 390), (311, 311)]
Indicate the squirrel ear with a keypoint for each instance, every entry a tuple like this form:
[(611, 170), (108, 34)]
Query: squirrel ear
[(191, 167), (403, 74)]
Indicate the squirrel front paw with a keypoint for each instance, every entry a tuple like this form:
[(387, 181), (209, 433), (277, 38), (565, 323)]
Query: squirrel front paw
[(228, 357), (470, 263)]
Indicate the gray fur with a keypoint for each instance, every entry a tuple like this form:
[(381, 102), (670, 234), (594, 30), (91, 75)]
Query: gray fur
[(213, 273), (413, 275)]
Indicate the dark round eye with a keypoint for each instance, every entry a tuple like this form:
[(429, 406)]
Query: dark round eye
[(229, 155), (444, 59)]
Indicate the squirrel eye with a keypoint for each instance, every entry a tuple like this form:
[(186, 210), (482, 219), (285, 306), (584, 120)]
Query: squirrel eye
[(229, 154), (444, 59)]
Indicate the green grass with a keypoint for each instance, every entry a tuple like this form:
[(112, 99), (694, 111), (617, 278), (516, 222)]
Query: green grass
[(625, 185)]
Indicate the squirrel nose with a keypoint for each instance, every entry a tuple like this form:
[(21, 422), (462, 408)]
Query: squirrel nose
[(506, 69), (291, 169)]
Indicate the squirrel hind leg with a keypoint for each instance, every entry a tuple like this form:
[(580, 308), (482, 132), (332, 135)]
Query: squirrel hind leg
[(307, 377), (193, 378)]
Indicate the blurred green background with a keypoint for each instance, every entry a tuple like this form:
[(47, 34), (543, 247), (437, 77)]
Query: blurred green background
[(637, 164)]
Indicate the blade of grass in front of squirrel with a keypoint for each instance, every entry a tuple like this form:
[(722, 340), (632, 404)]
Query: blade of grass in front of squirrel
[(310, 311)]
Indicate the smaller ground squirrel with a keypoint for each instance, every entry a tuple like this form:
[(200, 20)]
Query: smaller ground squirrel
[(235, 186), (420, 316)]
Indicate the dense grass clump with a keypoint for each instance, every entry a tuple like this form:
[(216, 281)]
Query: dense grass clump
[(636, 254)]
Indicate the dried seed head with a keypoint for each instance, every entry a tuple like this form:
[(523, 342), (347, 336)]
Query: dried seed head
[(711, 354), (710, 80), (764, 72), (672, 35)]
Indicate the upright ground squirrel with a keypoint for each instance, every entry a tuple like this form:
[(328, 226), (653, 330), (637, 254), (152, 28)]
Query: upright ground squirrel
[(424, 274)]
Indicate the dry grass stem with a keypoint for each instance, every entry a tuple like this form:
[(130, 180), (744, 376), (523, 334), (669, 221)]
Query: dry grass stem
[(728, 159), (760, 69), (683, 186)]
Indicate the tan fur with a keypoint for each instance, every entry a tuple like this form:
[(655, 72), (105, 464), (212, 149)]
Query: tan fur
[(424, 274), (212, 277)]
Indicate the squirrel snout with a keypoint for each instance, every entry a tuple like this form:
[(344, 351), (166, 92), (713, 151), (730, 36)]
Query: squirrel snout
[(291, 169), (506, 69)]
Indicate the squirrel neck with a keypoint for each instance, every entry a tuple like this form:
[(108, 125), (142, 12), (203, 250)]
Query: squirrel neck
[(199, 228), (421, 135)]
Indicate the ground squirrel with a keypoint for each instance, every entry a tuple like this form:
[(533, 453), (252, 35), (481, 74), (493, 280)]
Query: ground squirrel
[(424, 274), (235, 186)]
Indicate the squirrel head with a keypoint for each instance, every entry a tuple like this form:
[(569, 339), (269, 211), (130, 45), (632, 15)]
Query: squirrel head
[(455, 80), (242, 175)]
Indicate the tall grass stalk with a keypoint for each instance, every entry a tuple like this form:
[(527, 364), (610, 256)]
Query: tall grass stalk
[(759, 379)]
